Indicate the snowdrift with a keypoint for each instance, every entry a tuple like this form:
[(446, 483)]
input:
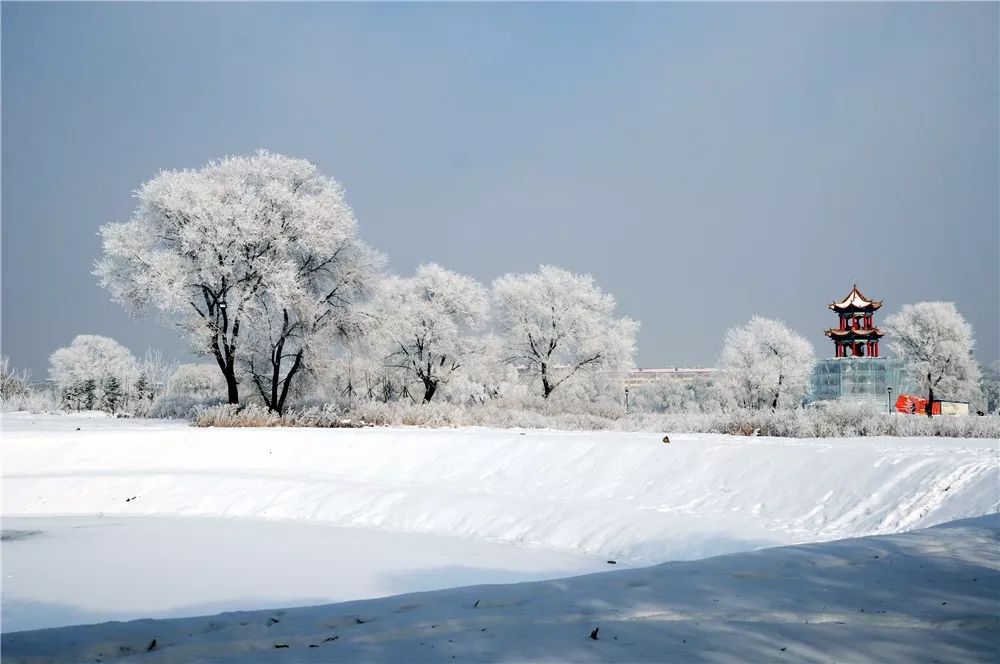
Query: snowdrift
[(925, 596), (622, 495)]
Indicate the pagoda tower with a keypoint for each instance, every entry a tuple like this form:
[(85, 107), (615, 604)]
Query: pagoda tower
[(857, 335)]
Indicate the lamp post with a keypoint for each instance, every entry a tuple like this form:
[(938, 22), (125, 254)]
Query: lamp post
[(626, 399), (889, 390)]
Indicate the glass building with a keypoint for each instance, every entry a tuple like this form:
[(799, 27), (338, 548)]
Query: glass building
[(865, 379)]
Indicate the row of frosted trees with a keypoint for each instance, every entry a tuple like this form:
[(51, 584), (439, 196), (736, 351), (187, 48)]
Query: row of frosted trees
[(259, 262)]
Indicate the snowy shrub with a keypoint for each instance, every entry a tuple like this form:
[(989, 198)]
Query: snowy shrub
[(693, 395), (328, 416), (181, 406), (830, 420), (235, 415), (13, 383), (199, 381), (486, 415), (32, 401), (254, 415), (18, 394)]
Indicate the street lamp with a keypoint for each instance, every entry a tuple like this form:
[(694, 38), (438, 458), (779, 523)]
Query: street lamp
[(626, 399), (889, 390)]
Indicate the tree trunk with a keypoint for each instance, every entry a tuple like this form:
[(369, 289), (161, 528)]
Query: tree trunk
[(547, 387), (279, 405), (231, 385), (930, 397), (272, 403), (227, 364), (777, 393), (430, 387)]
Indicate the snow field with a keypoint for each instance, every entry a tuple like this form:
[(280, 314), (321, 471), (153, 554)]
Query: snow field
[(619, 495)]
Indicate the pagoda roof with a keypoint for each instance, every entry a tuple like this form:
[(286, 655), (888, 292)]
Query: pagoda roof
[(847, 334), (855, 301)]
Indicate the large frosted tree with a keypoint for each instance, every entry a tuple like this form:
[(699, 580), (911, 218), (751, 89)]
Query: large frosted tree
[(431, 323), (764, 364), (555, 326), (935, 344), (256, 258)]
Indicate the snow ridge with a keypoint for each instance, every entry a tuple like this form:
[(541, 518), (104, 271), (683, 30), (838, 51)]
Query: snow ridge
[(623, 495)]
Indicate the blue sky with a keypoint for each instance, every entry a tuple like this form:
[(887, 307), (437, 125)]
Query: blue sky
[(704, 162)]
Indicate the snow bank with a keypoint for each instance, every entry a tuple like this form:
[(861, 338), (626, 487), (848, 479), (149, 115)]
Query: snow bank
[(925, 596), (621, 495)]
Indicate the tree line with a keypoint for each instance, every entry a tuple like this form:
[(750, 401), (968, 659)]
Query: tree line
[(258, 261)]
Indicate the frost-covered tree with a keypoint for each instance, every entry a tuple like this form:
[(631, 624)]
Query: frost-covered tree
[(154, 374), (555, 325), (691, 395), (71, 396), (112, 395), (764, 364), (935, 344), (990, 387), (200, 381), (431, 323), (257, 258), (485, 376), (87, 390), (80, 369)]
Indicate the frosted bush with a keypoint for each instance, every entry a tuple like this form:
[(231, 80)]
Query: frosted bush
[(254, 415), (180, 406), (31, 401), (235, 415), (832, 420), (18, 394), (201, 381)]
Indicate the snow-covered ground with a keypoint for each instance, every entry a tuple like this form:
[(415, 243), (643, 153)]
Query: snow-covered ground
[(927, 596), (621, 495), (460, 505), (73, 570)]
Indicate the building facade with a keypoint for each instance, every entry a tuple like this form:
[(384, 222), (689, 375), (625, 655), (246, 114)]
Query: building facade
[(640, 377)]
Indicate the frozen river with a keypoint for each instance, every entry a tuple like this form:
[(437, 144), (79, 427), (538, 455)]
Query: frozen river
[(73, 570)]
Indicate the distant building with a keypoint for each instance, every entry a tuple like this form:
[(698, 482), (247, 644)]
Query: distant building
[(856, 372), (640, 377)]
